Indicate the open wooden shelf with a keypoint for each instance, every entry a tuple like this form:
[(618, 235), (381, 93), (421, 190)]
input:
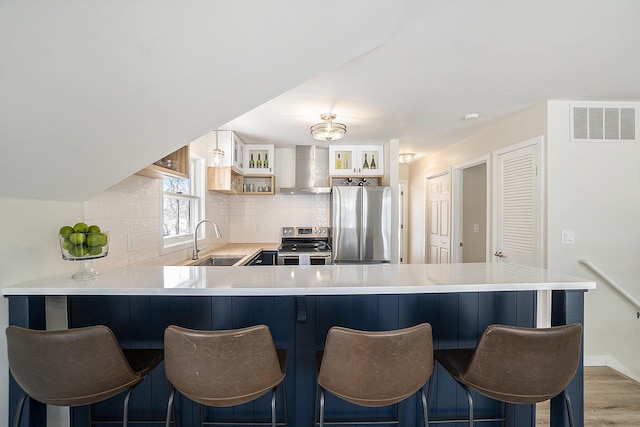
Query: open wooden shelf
[(179, 158)]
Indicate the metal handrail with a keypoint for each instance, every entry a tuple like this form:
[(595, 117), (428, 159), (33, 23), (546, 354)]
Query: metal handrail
[(613, 285)]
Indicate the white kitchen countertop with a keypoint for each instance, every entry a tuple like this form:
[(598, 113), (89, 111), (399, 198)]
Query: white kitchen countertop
[(306, 280)]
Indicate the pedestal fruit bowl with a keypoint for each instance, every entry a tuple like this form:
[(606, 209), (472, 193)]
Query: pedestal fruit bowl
[(84, 243)]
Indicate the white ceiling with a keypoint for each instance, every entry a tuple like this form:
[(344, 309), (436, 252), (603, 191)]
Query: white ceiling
[(90, 92)]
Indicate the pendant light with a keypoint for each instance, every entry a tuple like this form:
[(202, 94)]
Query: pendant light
[(217, 154), (328, 130)]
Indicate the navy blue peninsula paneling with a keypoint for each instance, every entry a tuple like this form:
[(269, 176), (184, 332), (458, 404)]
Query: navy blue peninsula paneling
[(300, 305), (300, 324)]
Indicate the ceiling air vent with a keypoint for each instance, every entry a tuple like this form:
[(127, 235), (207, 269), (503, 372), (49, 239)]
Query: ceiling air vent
[(603, 123)]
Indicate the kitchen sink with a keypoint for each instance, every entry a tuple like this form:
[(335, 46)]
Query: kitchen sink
[(219, 260)]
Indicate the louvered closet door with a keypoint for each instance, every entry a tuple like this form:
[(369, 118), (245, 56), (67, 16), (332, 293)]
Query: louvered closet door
[(518, 216)]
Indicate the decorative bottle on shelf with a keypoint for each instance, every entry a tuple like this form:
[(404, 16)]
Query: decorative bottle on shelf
[(259, 162), (265, 164), (373, 161), (338, 162), (365, 165), (252, 163), (345, 161)]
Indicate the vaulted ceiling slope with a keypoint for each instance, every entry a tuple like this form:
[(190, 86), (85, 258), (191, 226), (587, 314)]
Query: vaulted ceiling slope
[(450, 58), (91, 92)]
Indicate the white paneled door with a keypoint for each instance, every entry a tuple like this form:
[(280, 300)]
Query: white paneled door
[(438, 215), (518, 179)]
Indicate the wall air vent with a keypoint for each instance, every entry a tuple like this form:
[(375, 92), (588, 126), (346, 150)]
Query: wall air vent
[(603, 123)]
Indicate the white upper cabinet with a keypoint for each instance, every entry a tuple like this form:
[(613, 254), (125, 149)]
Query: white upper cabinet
[(259, 159), (233, 147), (237, 154), (356, 160)]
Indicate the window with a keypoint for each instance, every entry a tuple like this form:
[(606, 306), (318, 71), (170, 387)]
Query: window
[(182, 204)]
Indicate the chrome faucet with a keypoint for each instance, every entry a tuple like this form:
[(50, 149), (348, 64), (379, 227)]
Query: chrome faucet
[(195, 236)]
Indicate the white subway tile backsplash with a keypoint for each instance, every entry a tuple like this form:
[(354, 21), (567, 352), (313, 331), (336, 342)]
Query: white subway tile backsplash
[(117, 243), (136, 241), (137, 225), (144, 254), (130, 211), (261, 218), (113, 260), (144, 210), (114, 226)]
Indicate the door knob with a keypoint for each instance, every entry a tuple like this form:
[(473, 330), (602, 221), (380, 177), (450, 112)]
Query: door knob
[(499, 254)]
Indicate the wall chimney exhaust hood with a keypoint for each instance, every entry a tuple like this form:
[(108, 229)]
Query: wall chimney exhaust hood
[(305, 173)]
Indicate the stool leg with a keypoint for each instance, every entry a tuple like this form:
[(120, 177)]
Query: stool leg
[(470, 400), (505, 421), (273, 407), (321, 407), (125, 411), (173, 414), (19, 409), (429, 393), (170, 407), (569, 410), (425, 408)]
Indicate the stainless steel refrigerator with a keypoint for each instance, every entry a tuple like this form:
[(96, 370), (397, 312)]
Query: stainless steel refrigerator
[(361, 224)]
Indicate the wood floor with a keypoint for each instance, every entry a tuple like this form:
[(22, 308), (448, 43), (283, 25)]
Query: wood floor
[(610, 399)]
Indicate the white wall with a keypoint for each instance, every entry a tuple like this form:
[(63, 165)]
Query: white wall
[(519, 127), (29, 249), (594, 190)]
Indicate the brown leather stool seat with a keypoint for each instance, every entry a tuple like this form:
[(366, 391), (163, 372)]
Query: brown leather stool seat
[(375, 369), (224, 367), (75, 367), (517, 365)]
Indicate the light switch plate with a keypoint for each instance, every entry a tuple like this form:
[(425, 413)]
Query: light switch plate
[(568, 237)]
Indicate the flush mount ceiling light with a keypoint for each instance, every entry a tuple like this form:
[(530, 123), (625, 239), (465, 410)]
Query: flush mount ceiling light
[(217, 154), (406, 157), (471, 116), (328, 130)]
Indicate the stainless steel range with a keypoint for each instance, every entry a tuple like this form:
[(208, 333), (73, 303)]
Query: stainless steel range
[(305, 246)]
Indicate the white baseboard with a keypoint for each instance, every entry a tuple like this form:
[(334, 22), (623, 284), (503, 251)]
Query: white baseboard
[(612, 363)]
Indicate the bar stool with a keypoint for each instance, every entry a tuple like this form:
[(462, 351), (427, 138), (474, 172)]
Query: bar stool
[(516, 365), (75, 367), (374, 369), (224, 368)]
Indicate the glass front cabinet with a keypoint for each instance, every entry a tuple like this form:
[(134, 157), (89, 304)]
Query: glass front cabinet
[(356, 160), (233, 147), (259, 159), (245, 168), (237, 154)]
